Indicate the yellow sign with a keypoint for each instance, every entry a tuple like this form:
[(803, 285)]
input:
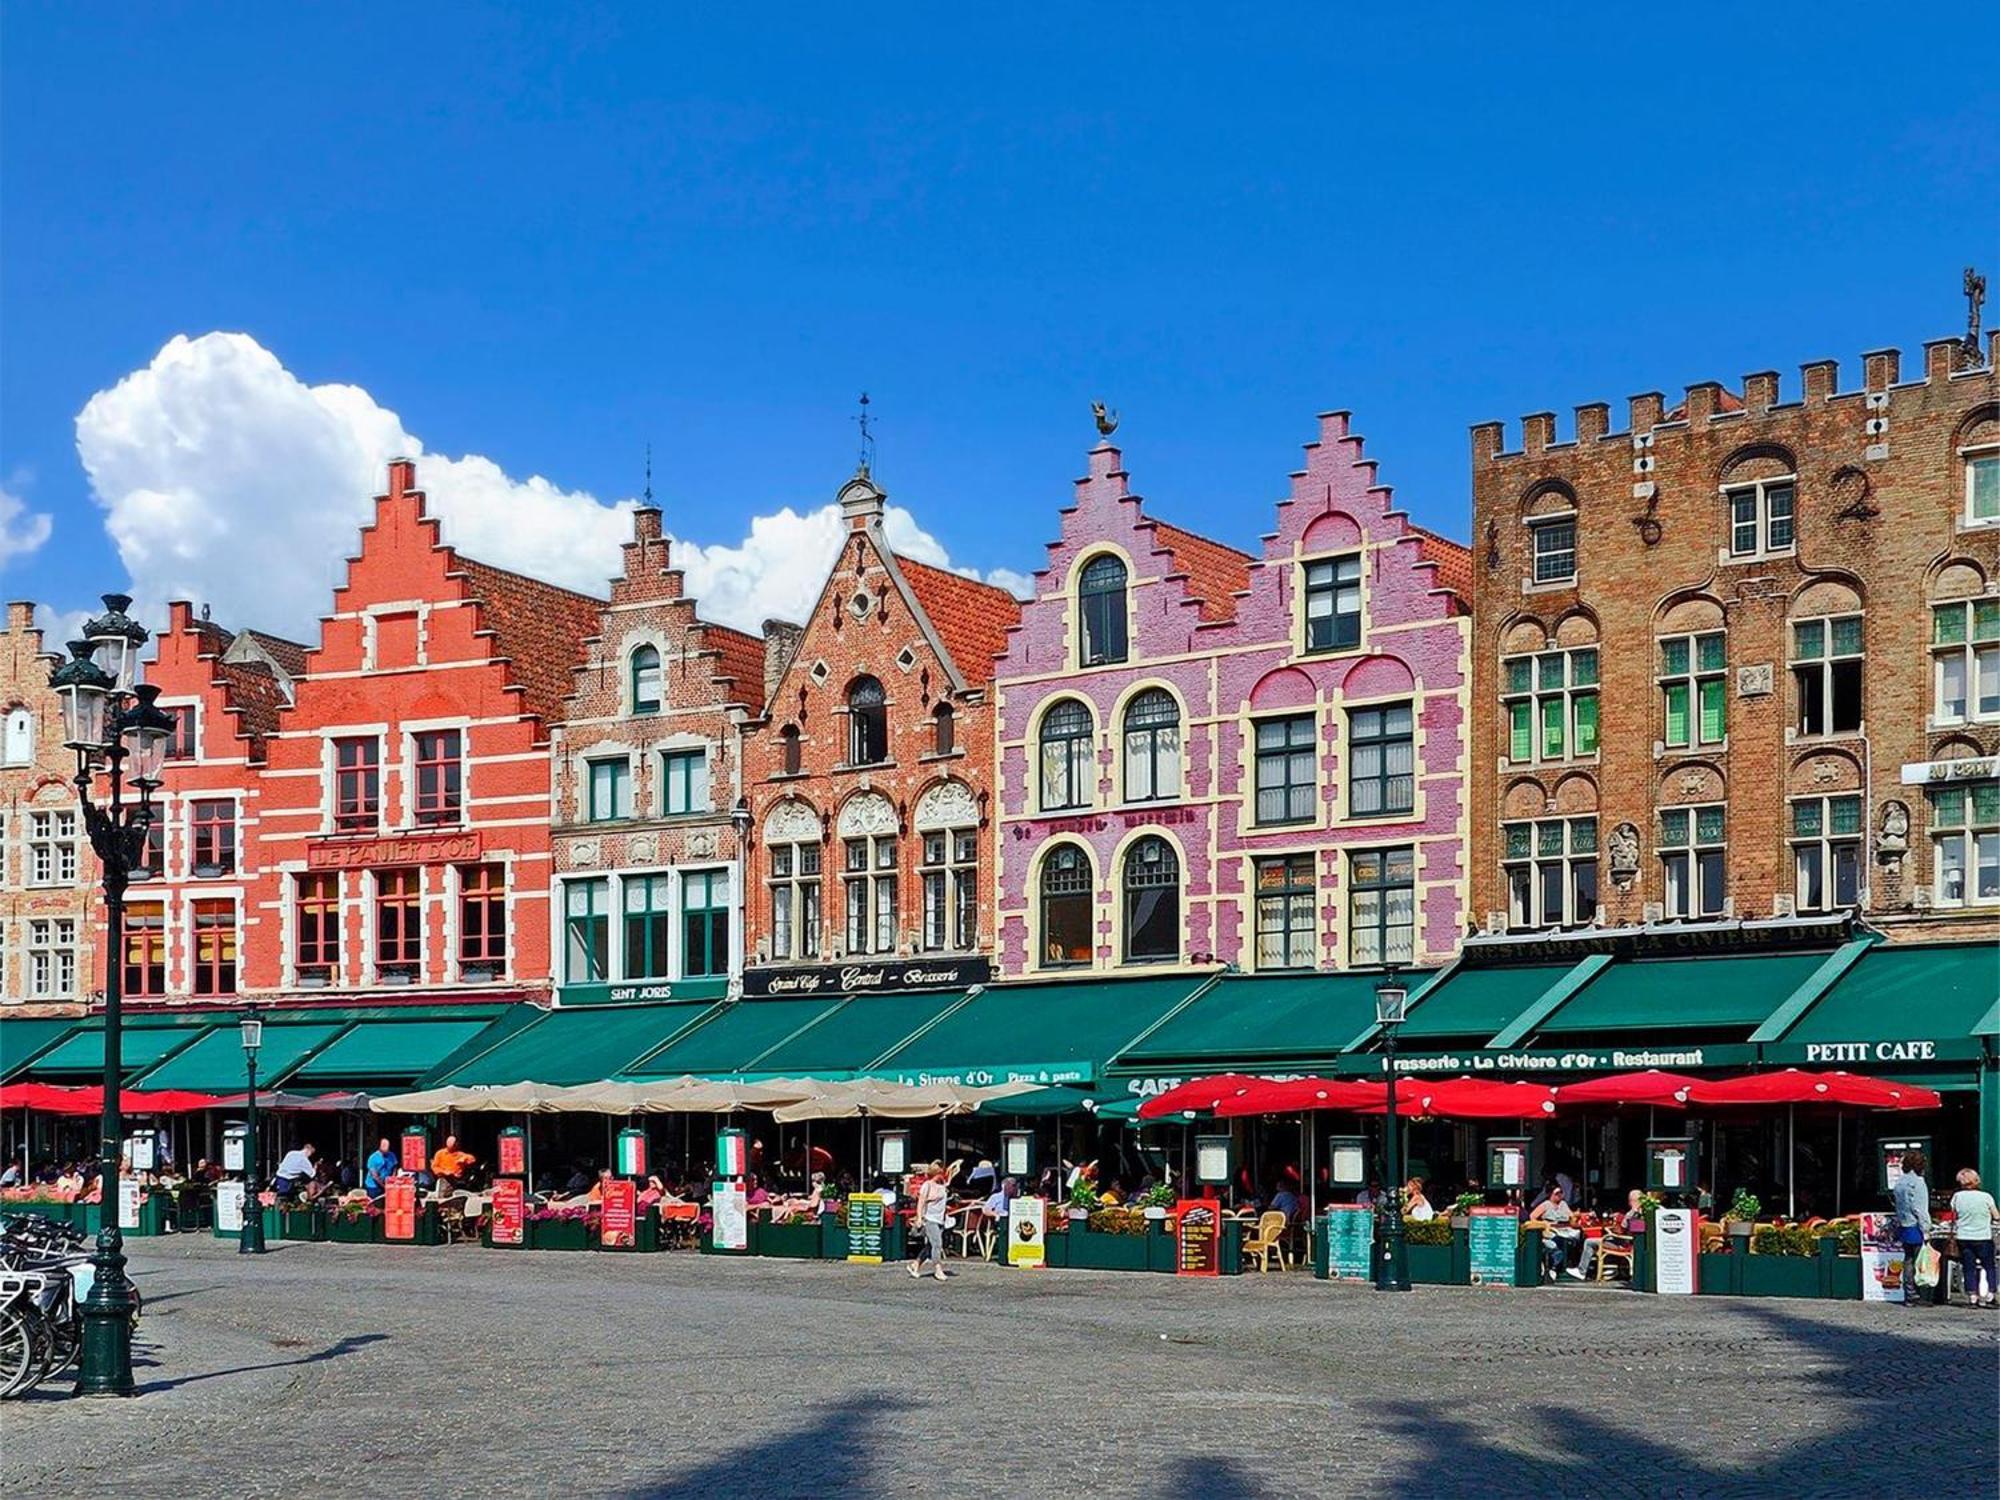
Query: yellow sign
[(1026, 1221)]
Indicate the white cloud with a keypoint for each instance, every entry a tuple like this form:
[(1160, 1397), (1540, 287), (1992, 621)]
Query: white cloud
[(22, 531), (227, 480)]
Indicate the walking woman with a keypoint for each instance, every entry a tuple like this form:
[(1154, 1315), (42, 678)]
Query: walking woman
[(1912, 1197), (1974, 1211), (933, 1198)]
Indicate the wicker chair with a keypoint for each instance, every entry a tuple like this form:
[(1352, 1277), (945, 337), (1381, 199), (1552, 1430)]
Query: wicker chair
[(1268, 1239)]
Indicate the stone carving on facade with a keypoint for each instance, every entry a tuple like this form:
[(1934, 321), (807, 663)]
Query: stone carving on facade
[(701, 843), (792, 823), (642, 849), (1623, 847), (869, 814), (949, 804), (1756, 680), (583, 853), (1893, 841)]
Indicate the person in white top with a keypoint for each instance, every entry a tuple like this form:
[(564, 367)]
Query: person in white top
[(1973, 1209), (933, 1200)]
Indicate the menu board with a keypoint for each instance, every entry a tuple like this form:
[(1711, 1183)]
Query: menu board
[(513, 1154), (399, 1208), (618, 1215), (128, 1203), (1350, 1241), (416, 1151), (732, 1217), (1197, 1238), (1881, 1259), (233, 1137), (509, 1211), (1674, 1239), (864, 1228), (1495, 1235), (1027, 1225), (229, 1207)]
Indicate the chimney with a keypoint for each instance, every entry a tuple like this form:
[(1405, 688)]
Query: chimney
[(20, 616), (1880, 368), (781, 644), (1820, 379), (1592, 422)]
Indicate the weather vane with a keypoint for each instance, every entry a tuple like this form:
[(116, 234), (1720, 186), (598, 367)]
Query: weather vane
[(866, 458), (1107, 421), (1975, 296), (649, 473)]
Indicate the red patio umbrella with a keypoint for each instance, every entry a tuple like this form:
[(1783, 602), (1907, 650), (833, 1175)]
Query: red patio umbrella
[(1471, 1099), (1197, 1094), (1292, 1095), (1797, 1086), (1649, 1087), (50, 1099)]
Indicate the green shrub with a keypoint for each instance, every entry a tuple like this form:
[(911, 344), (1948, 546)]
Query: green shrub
[(1117, 1221), (1744, 1207), (1791, 1239), (1427, 1231)]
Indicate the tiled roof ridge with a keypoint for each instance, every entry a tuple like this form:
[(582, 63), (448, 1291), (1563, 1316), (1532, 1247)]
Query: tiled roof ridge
[(970, 616), (1216, 572)]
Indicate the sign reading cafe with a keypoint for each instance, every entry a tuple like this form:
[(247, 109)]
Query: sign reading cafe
[(866, 978)]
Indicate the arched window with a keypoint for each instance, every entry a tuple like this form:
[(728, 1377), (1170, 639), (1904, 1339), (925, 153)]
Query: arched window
[(1100, 597), (646, 680), (1152, 747), (867, 723), (1066, 940), (788, 749), (1152, 902), (944, 730), (1066, 754), (19, 745)]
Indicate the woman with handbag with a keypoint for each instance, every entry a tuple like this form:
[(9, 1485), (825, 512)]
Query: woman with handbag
[(1973, 1210), (1912, 1197)]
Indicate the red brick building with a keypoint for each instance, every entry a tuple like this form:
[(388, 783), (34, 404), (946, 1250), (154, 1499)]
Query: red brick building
[(646, 778), (867, 776), (1741, 659)]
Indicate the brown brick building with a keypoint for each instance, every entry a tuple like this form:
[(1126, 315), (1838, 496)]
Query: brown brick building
[(47, 872), (1742, 658), (868, 774), (646, 776)]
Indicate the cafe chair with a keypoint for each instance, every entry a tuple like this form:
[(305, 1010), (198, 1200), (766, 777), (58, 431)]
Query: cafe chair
[(1266, 1240), (975, 1229), (452, 1225), (1612, 1247)]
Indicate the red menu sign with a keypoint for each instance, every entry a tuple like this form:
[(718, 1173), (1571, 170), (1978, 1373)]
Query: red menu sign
[(1198, 1238), (416, 1151), (399, 1209), (514, 1155), (620, 1213), (509, 1209)]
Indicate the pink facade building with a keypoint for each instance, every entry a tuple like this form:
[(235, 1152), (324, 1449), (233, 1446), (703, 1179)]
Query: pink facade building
[(1211, 758)]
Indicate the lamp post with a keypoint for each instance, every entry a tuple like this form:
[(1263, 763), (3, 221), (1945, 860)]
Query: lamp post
[(118, 732), (250, 1241), (1392, 1272)]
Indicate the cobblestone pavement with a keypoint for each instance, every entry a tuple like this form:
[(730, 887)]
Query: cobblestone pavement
[(365, 1370)]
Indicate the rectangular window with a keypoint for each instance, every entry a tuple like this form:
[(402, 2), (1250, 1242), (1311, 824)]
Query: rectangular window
[(1691, 860), (1965, 843), (215, 947), (1550, 700), (145, 950), (1693, 688), (399, 932), (649, 926), (1826, 852), (1551, 869), (586, 931), (180, 739), (1965, 652), (440, 777), (1555, 549), (1285, 772), (685, 773), (705, 923), (357, 785), (1826, 674), (212, 835), (51, 958), (1381, 761), (951, 889), (1287, 913), (1382, 907), (1982, 485), (795, 888), (482, 922), (610, 790), (1333, 604), (1760, 518), (153, 850), (870, 883), (316, 928), (52, 848)]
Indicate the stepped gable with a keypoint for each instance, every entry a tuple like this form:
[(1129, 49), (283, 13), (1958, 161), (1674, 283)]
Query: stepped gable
[(971, 618), (740, 661), (539, 627), (1454, 564)]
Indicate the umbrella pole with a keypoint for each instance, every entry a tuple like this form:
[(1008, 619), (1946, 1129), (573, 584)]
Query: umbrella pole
[(1791, 1161), (1839, 1134)]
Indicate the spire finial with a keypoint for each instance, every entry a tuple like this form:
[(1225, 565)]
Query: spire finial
[(649, 474), (1107, 421), (865, 459), (1975, 297)]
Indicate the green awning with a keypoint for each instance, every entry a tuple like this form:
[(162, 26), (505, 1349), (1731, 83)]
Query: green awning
[(1039, 1033), (388, 1051), (1683, 994), (1246, 1022), (81, 1054), (22, 1039), (1477, 1003), (850, 1036), (1058, 1099), (1916, 993), (735, 1037), (587, 1045), (215, 1064)]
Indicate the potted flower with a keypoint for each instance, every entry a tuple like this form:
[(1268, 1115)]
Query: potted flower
[(1157, 1200), (560, 1227), (1082, 1199), (1462, 1207), (354, 1222), (1739, 1220)]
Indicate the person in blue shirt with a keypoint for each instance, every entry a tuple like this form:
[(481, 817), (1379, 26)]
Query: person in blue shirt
[(380, 1167)]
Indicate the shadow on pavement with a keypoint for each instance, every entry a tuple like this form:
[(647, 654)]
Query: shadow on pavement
[(346, 1346), (831, 1455)]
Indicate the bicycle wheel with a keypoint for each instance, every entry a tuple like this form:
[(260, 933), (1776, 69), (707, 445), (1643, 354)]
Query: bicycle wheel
[(20, 1359)]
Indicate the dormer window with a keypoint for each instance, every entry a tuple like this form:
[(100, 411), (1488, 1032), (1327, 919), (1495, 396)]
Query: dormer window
[(867, 723), (646, 680), (1761, 518), (1100, 597)]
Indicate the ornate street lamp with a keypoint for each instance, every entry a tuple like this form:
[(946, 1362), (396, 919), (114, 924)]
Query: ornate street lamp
[(1392, 1005), (119, 732), (250, 1241)]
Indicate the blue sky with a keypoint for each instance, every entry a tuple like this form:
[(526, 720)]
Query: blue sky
[(546, 239)]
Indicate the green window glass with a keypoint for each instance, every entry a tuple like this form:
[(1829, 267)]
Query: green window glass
[(1986, 619), (705, 923), (1806, 818), (1948, 806), (1517, 840), (1583, 669), (1847, 635), (1548, 838), (1708, 825), (648, 926), (1809, 640), (586, 931), (1552, 729), (1712, 652), (1674, 827), (1520, 674), (1586, 724), (1844, 814), (1713, 712), (1583, 836), (1674, 656), (1948, 625), (1983, 479), (1677, 713), (1520, 732), (1986, 802), (1549, 670)]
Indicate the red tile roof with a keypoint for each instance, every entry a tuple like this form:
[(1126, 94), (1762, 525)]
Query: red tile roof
[(255, 693), (1215, 573), (539, 627), (741, 661), (289, 655), (970, 617), (1453, 559), (1725, 400)]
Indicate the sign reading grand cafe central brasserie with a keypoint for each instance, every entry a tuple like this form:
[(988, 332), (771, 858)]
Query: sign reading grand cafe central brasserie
[(866, 977)]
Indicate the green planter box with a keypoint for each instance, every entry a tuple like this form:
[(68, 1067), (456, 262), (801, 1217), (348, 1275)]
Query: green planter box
[(365, 1230), (1090, 1251), (1528, 1260), (309, 1225), (788, 1241), (832, 1237), (1162, 1254), (1431, 1265), (558, 1234), (1780, 1275)]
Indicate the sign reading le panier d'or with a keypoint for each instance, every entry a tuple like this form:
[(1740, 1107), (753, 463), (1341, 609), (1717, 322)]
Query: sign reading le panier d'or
[(867, 978)]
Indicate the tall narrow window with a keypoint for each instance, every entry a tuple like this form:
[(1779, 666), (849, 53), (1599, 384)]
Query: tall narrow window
[(1287, 935), (1152, 747), (145, 950), (1381, 761), (1285, 769), (867, 723), (1100, 600), (705, 923), (482, 923), (316, 929), (795, 900), (1152, 902), (870, 882), (17, 747), (685, 773), (1965, 842), (1826, 674), (180, 739), (1982, 484), (1066, 908), (1067, 779), (1965, 652), (951, 889), (52, 848), (944, 730), (649, 926), (586, 931), (790, 756), (440, 778), (399, 931), (1382, 906), (1550, 700), (646, 680), (1555, 549), (1333, 604), (1551, 869), (1691, 864), (609, 793), (214, 947), (51, 958), (152, 850), (1694, 689), (1826, 852), (357, 785), (212, 835), (1760, 518)]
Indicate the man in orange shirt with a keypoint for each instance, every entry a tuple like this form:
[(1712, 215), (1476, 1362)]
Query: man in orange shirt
[(448, 1163)]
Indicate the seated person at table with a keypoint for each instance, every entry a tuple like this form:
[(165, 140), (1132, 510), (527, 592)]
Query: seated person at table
[(1415, 1205), (1285, 1201), (382, 1164), (1369, 1196), (1623, 1226), (448, 1163), (1552, 1216), (754, 1193), (296, 1172), (1001, 1202), (809, 1204)]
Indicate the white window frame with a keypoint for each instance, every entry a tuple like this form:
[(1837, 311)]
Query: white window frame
[(950, 889), (1682, 893), (1535, 864), (1693, 679), (800, 939), (1570, 692), (1823, 665), (1538, 526), (59, 847), (51, 958), (1761, 522), (1974, 456), (1967, 652), (701, 787), (1969, 834), (1827, 847), (877, 880)]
